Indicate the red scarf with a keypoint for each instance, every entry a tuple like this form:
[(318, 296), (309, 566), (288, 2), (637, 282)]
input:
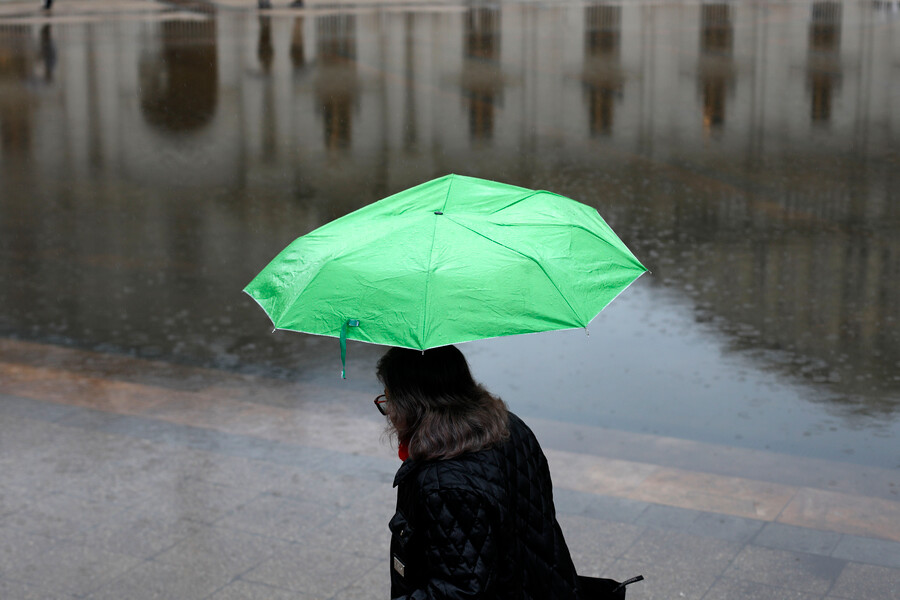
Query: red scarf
[(402, 451)]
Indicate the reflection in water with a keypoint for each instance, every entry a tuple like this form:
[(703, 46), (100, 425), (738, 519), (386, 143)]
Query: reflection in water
[(264, 50), (16, 111), (716, 66), (602, 75), (782, 238), (824, 60), (482, 76), (48, 52), (298, 55), (336, 84), (180, 84)]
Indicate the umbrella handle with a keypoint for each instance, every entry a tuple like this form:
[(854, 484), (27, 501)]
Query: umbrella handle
[(348, 323)]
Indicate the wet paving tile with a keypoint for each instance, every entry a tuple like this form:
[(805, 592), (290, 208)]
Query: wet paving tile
[(735, 589), (132, 533), (798, 539), (58, 515), (160, 581), (244, 590), (72, 568), (689, 552), (855, 515), (23, 591), (312, 570), (277, 517), (661, 581), (729, 495), (595, 544), (866, 581), (809, 573), (221, 548)]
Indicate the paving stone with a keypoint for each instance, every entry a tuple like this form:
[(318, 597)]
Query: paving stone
[(195, 500), (610, 508), (244, 590), (797, 539), (160, 581), (726, 527), (868, 550), (798, 571), (667, 517), (278, 517), (58, 515), (858, 581), (312, 570), (677, 550), (735, 589), (662, 581), (18, 549), (72, 568), (220, 548), (13, 590), (595, 544), (374, 584), (134, 534)]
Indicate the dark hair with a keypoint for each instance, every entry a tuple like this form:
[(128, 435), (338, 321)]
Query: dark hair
[(434, 405)]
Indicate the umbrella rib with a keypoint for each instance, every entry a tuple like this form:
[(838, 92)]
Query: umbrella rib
[(532, 259), (430, 261)]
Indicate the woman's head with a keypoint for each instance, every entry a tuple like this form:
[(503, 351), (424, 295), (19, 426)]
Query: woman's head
[(434, 405)]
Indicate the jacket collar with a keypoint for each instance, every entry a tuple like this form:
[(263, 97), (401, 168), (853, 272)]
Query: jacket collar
[(408, 466)]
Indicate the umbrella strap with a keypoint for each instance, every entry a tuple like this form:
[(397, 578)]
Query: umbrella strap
[(347, 324)]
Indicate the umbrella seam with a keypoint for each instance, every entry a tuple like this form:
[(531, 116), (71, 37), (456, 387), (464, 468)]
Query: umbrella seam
[(532, 259), (450, 179)]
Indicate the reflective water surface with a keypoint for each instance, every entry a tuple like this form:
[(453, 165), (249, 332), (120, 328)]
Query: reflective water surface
[(746, 152)]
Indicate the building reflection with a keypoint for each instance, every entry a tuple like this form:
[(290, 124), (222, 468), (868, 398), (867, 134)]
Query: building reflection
[(482, 77), (16, 104), (803, 254), (602, 73), (716, 68), (180, 84), (823, 71), (265, 52), (336, 77), (297, 51)]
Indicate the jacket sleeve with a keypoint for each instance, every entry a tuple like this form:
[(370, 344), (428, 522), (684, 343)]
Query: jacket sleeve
[(461, 547)]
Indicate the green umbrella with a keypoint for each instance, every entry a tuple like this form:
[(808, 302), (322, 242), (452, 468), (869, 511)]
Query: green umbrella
[(451, 260)]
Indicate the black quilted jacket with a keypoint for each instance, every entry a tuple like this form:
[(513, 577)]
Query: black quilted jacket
[(481, 525)]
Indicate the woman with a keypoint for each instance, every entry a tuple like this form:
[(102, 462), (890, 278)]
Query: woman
[(475, 515)]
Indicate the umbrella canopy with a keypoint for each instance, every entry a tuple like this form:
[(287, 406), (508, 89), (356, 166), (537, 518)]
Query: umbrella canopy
[(451, 260)]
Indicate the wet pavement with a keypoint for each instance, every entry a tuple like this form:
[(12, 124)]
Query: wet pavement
[(729, 429), (232, 486)]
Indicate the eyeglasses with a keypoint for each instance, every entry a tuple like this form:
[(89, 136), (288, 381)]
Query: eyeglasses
[(379, 404)]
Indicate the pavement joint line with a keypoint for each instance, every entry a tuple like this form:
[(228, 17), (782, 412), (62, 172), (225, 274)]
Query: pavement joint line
[(382, 471)]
